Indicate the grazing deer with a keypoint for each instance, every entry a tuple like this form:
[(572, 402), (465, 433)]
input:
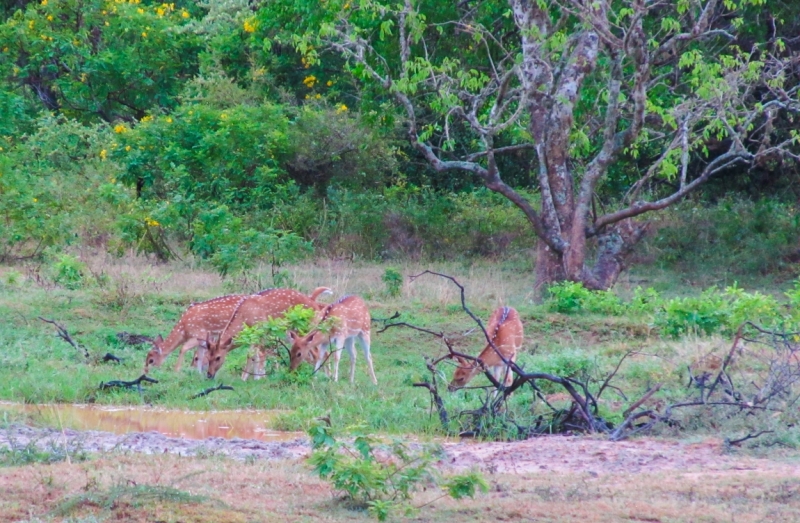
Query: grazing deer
[(505, 331), (251, 310), (351, 320), (198, 322)]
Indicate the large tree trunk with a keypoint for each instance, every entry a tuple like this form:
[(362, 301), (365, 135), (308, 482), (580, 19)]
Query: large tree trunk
[(549, 269), (614, 247)]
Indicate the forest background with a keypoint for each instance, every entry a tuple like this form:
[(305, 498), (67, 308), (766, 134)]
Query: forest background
[(235, 133)]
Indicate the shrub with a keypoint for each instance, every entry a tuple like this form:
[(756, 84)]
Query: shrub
[(569, 297), (69, 272), (393, 280), (382, 477)]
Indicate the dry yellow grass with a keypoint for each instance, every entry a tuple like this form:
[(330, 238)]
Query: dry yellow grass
[(286, 491)]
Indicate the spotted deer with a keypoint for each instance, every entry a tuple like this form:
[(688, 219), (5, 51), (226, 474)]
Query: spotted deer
[(200, 321), (505, 331), (251, 310), (351, 320)]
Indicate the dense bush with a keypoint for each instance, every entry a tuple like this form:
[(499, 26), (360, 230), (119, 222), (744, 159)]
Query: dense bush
[(737, 235), (712, 311)]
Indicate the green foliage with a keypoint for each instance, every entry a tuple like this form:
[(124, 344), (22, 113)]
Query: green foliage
[(393, 281), (57, 188), (570, 297), (711, 312), (231, 247), (69, 271), (271, 332), (99, 60), (382, 477), (737, 235)]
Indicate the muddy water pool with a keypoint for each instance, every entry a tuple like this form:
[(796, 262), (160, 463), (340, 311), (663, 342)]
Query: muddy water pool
[(245, 424)]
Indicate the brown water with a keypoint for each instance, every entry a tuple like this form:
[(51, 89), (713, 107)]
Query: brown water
[(247, 424)]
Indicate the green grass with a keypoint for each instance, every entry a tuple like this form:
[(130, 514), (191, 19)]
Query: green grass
[(38, 367)]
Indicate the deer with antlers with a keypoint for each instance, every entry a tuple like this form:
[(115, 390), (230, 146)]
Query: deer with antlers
[(202, 320), (506, 335), (351, 320), (251, 310)]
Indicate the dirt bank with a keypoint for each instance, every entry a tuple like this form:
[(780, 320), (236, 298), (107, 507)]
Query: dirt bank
[(552, 453)]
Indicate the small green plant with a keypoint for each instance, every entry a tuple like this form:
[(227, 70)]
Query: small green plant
[(569, 297), (18, 455), (393, 280), (13, 278), (69, 272), (382, 477)]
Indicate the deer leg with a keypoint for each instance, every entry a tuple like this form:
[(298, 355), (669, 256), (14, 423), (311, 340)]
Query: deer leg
[(192, 343), (323, 352), (364, 340), (337, 355), (350, 345), (260, 369)]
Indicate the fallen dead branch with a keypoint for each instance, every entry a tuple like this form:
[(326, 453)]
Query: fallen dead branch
[(62, 333), (128, 384), (110, 357), (210, 390)]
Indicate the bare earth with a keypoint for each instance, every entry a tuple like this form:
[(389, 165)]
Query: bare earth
[(561, 454)]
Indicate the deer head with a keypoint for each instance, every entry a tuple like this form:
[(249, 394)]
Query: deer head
[(305, 348), (156, 355), (466, 370), (200, 360), (216, 356)]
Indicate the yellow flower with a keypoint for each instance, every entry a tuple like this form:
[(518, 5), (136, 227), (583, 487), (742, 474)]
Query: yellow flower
[(127, 147), (140, 11), (144, 35), (146, 118), (103, 154), (309, 81), (347, 5), (44, 2), (49, 18), (35, 200), (169, 120), (329, 83), (83, 77), (185, 13), (5, 49), (317, 96), (160, 11), (249, 26), (119, 129), (151, 222), (223, 116), (342, 108), (113, 180), (31, 24)]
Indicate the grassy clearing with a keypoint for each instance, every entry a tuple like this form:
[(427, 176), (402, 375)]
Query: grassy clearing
[(141, 298), (168, 488)]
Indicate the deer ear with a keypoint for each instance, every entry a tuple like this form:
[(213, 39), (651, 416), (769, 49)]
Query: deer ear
[(159, 339), (462, 361), (293, 335)]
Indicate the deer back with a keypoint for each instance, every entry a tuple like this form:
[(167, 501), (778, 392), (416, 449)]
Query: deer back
[(350, 314), (505, 331)]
